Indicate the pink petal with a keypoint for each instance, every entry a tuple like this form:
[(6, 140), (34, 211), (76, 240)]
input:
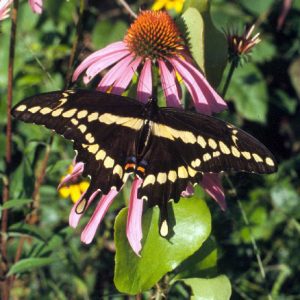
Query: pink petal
[(36, 6), (74, 218), (114, 73), (285, 10), (144, 88), (134, 219), (5, 9), (77, 171), (99, 65), (89, 231), (168, 81), (189, 191), (206, 100), (211, 183), (98, 55), (122, 83)]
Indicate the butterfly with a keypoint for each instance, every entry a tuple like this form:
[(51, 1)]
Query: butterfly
[(169, 148)]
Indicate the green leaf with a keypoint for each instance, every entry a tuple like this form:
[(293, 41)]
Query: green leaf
[(28, 264), (248, 90), (159, 255), (16, 203), (207, 44), (27, 229), (257, 7), (202, 263), (218, 288), (294, 72)]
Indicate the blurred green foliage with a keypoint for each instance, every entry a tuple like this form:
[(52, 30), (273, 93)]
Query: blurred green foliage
[(263, 99)]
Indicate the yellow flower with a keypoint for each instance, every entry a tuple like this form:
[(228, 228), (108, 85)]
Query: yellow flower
[(177, 5), (75, 189)]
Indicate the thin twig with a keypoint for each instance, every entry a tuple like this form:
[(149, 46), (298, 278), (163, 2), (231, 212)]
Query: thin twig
[(5, 290), (127, 8), (75, 44)]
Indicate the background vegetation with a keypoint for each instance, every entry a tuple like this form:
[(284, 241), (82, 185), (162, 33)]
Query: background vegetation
[(256, 240)]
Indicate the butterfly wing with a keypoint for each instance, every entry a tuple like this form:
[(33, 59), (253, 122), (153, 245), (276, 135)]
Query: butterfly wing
[(99, 125), (184, 145)]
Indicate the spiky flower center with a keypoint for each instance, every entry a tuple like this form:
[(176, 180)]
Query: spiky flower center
[(154, 35)]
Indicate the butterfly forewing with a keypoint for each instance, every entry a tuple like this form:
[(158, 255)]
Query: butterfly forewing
[(208, 144), (99, 124)]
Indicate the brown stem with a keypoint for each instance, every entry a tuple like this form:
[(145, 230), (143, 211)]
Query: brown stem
[(5, 282), (75, 43), (127, 8)]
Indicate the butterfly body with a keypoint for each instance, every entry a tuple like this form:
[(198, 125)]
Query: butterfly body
[(168, 148)]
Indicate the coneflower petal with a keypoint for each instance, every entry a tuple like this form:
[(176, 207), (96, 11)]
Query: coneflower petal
[(144, 88)]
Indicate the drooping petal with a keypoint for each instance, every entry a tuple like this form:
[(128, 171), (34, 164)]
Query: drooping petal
[(36, 6), (90, 229), (169, 85), (122, 83), (5, 9), (74, 218), (134, 219), (77, 171), (114, 73), (211, 183), (98, 55), (188, 192), (284, 11), (144, 88), (102, 64), (206, 100)]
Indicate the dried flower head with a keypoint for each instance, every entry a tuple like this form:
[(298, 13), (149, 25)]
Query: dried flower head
[(240, 45)]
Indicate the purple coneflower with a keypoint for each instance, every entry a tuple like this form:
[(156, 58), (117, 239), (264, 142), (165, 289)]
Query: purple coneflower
[(4, 9), (36, 6), (152, 40)]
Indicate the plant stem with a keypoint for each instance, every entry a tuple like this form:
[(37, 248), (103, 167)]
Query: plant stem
[(233, 66), (5, 285), (74, 50), (127, 8)]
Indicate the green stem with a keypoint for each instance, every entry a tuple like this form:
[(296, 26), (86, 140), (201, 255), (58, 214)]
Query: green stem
[(229, 77), (5, 284)]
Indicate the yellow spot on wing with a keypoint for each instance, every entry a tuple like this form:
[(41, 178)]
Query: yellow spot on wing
[(182, 172), (164, 229), (82, 114), (82, 128), (69, 113), (74, 121), (93, 148), (161, 177), (100, 155), (34, 109), (133, 123), (108, 162), (150, 179), (57, 112), (118, 170), (89, 137), (172, 176), (206, 157), (93, 116), (191, 172), (21, 107), (201, 141), (45, 110), (246, 154), (270, 162), (235, 151), (170, 133), (224, 148), (212, 143), (257, 158)]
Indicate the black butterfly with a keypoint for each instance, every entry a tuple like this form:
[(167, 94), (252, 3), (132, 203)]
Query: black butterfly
[(169, 148)]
